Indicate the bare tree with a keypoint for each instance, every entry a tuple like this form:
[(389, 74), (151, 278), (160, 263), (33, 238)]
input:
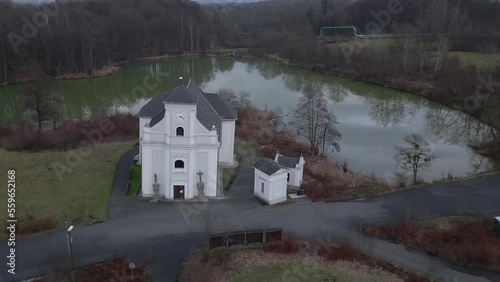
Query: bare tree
[(244, 99), (181, 30), (443, 46), (415, 154), (314, 121), (229, 95), (207, 224), (190, 23), (39, 99), (275, 121)]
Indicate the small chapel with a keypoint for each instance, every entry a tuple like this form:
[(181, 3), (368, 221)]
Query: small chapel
[(186, 136)]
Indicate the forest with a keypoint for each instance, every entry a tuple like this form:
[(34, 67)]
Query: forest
[(64, 36)]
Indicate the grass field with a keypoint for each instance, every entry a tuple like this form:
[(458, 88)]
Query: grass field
[(78, 188), (135, 180), (256, 265), (241, 145), (488, 61), (314, 271)]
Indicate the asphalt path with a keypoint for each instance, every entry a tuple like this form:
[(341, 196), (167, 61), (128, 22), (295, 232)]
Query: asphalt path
[(163, 234)]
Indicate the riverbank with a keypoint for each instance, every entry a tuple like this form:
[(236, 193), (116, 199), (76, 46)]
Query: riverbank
[(115, 67), (426, 89)]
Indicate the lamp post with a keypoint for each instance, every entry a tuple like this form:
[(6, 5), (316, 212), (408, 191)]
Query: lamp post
[(70, 248)]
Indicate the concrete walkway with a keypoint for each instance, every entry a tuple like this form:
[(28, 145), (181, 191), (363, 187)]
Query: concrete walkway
[(241, 191), (162, 234)]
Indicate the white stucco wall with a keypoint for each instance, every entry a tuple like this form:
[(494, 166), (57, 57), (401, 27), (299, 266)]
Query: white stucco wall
[(226, 154), (274, 186), (296, 175), (198, 149)]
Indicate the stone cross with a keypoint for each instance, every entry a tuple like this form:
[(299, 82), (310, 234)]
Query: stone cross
[(200, 173), (156, 190), (201, 186)]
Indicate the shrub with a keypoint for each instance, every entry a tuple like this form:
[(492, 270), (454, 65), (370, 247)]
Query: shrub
[(72, 134), (468, 243), (289, 245), (30, 226), (339, 251)]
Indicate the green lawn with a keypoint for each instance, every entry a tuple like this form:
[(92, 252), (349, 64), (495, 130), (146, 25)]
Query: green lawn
[(251, 147), (488, 61), (312, 271), (83, 189), (135, 180)]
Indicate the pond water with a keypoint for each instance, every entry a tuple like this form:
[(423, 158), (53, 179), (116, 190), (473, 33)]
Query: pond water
[(372, 119)]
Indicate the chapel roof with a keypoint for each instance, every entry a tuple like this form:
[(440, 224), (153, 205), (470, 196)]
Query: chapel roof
[(268, 166), (288, 161)]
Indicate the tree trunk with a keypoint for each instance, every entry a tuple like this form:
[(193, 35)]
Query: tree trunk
[(414, 177), (4, 64)]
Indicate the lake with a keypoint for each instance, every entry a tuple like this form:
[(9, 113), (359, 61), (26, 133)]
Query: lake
[(372, 119)]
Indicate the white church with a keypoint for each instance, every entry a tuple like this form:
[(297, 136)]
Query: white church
[(185, 136)]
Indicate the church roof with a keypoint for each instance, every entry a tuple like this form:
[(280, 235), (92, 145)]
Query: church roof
[(154, 106), (268, 166), (181, 95), (288, 161), (223, 109), (211, 109), (157, 118)]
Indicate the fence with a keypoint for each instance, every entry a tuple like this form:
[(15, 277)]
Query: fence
[(245, 238)]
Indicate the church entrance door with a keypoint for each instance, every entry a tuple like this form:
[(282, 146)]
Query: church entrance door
[(179, 192)]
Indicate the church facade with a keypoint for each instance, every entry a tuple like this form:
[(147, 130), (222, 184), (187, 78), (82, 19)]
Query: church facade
[(186, 135)]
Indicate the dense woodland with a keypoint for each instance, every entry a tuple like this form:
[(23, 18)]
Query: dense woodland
[(83, 37)]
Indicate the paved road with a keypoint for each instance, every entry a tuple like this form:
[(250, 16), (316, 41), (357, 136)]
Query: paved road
[(162, 234)]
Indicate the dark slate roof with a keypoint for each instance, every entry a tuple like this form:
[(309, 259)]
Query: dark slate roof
[(154, 106), (288, 161), (181, 95), (223, 109), (205, 113), (156, 119), (268, 166), (211, 109)]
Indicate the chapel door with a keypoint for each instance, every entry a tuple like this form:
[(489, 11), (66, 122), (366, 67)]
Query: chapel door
[(179, 192)]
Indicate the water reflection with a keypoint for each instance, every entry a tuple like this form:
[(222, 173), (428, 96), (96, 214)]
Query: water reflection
[(455, 127), (371, 119)]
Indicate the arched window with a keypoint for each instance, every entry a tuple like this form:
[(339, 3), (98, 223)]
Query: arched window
[(179, 131), (179, 164)]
